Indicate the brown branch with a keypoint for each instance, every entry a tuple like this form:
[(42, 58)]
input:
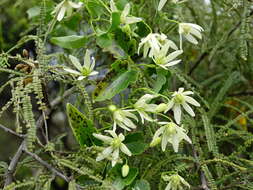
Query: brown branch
[(39, 123), (6, 129), (48, 166)]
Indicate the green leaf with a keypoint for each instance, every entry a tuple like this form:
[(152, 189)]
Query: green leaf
[(118, 85), (81, 126), (142, 185), (70, 42), (115, 21), (95, 8), (143, 29), (120, 182), (160, 80), (135, 143)]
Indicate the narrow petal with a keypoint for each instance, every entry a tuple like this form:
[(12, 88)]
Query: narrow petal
[(158, 132), (164, 141), (181, 90), (125, 150), (161, 4), (168, 187), (81, 78), (113, 6), (107, 151), (187, 93), (93, 73), (106, 139), (175, 143), (188, 109), (196, 33), (173, 55), (75, 5), (177, 113), (71, 71), (191, 101), (131, 20), (126, 10), (191, 39), (112, 133), (61, 13), (195, 26), (75, 62), (87, 60), (172, 63), (121, 137), (169, 106), (115, 154)]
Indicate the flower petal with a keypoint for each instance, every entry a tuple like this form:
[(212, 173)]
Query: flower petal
[(177, 113), (125, 150), (106, 139), (75, 62), (191, 101), (161, 4), (188, 109)]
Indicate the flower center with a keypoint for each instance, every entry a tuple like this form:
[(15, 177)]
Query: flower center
[(179, 99), (171, 130), (85, 72), (186, 29), (116, 143), (112, 108)]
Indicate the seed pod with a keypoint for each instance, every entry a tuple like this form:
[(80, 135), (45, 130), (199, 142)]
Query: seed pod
[(125, 170)]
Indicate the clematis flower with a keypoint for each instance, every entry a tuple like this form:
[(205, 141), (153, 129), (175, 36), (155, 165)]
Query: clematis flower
[(65, 6), (190, 31), (85, 70), (181, 98), (153, 43), (115, 146), (163, 60), (141, 106), (169, 133), (121, 118), (175, 182), (124, 18)]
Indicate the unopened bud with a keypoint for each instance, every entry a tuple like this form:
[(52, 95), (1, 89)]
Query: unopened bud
[(161, 107), (125, 170), (155, 142)]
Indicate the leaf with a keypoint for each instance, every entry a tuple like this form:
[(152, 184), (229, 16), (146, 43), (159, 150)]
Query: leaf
[(135, 143), (115, 21), (143, 29), (120, 182), (118, 85), (81, 126), (70, 42), (94, 8), (142, 185), (160, 80)]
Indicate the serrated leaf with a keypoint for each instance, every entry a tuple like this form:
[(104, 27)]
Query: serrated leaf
[(135, 143), (121, 83), (81, 126), (70, 42), (95, 8)]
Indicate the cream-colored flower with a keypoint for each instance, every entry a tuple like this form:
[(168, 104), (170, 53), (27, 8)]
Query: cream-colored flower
[(65, 7), (190, 31), (121, 118), (169, 133), (115, 146), (84, 70), (125, 18), (181, 98), (176, 182), (142, 106), (165, 60), (153, 43)]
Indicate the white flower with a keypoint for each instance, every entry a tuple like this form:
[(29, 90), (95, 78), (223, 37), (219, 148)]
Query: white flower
[(171, 133), (181, 98), (153, 42), (190, 31), (85, 70), (115, 146), (65, 6), (141, 106), (163, 60), (121, 118), (124, 18), (175, 182)]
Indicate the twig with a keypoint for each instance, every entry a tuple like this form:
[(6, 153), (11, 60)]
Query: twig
[(48, 166), (202, 175), (13, 164), (6, 129), (39, 123)]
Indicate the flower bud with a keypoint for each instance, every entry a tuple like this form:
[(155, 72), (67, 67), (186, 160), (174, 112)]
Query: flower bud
[(155, 142), (125, 170), (161, 107)]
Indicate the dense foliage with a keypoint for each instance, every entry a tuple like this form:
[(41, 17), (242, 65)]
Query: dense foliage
[(126, 94)]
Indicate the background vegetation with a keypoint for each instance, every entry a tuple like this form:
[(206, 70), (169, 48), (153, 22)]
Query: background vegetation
[(219, 70)]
